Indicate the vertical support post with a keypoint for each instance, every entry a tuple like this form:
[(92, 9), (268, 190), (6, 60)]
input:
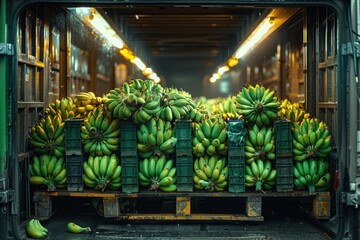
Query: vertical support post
[(93, 71), (65, 55), (253, 206), (183, 206), (321, 205), (43, 206), (111, 207), (4, 213), (309, 56)]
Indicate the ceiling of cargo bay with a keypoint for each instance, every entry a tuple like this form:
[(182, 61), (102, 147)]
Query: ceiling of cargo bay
[(185, 43)]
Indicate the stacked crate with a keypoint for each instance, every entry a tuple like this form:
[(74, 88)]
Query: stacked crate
[(129, 157), (184, 158), (284, 159), (236, 156), (74, 154)]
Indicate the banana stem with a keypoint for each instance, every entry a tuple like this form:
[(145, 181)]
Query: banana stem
[(258, 186), (311, 189), (50, 186)]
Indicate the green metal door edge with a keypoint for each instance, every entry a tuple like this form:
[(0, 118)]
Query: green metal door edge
[(4, 225), (3, 81)]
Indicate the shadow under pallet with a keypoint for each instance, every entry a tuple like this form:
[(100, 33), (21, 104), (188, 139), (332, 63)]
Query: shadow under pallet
[(253, 206)]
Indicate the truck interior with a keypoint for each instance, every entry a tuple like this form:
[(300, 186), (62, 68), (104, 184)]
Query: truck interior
[(60, 52)]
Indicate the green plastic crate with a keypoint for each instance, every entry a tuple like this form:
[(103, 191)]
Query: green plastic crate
[(236, 133), (183, 130), (184, 148), (284, 174), (183, 133), (236, 151), (127, 130), (129, 174), (236, 179), (128, 139), (74, 171), (184, 173), (283, 138), (236, 155), (73, 144)]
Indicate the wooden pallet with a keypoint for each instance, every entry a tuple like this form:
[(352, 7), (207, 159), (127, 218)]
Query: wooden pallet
[(253, 211)]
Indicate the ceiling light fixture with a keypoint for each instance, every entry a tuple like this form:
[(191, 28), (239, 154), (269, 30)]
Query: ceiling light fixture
[(102, 26), (255, 37), (222, 70), (95, 21), (137, 61)]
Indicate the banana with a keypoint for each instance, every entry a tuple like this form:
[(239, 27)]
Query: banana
[(74, 228), (33, 232), (201, 174), (40, 227), (168, 188), (257, 105), (160, 165)]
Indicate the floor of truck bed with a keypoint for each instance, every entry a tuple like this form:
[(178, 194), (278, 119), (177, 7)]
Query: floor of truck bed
[(283, 220)]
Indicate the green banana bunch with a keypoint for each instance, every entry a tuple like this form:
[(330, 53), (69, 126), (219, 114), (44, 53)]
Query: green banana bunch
[(139, 99), (156, 137), (74, 228), (259, 144), (311, 140), (34, 229), (210, 173), (65, 107), (260, 174), (47, 136), (101, 172), (100, 133), (313, 174), (48, 170), (176, 104), (157, 173), (226, 108), (258, 105), (292, 112), (86, 102), (209, 137)]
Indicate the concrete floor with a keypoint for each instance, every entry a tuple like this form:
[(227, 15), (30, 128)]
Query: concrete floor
[(283, 221)]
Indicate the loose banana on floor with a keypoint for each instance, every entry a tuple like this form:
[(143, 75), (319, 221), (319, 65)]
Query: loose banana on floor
[(157, 173), (47, 136), (34, 229), (258, 105), (311, 140), (156, 137), (74, 228), (49, 171), (100, 133), (260, 174), (210, 173), (312, 174), (209, 137), (139, 100), (101, 172), (259, 144)]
